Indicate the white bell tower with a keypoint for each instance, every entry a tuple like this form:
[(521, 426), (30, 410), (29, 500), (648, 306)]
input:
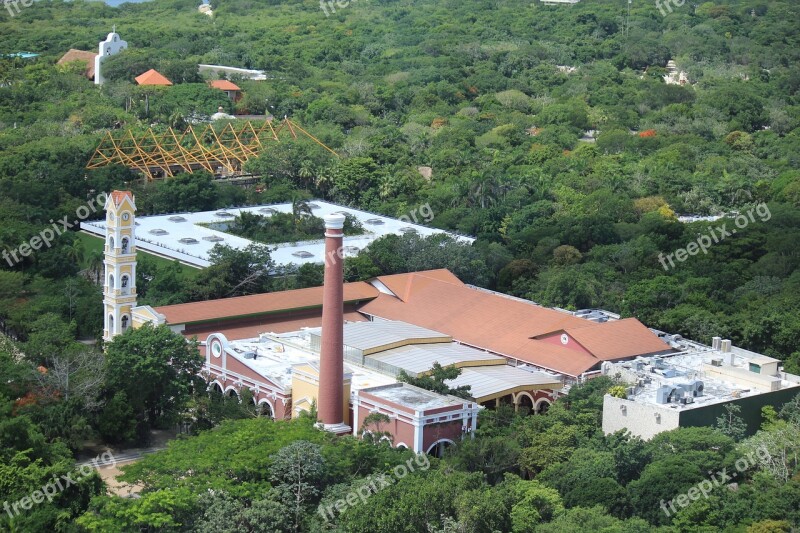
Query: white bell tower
[(111, 46), (119, 285)]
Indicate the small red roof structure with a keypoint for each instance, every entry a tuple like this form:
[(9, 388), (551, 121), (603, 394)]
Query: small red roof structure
[(152, 77), (119, 196), (224, 85), (80, 55), (231, 90)]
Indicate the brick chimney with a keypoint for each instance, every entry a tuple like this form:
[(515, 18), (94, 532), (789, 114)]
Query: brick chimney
[(331, 368)]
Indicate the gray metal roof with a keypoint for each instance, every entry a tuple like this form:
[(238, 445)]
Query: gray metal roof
[(420, 357), (366, 336), (493, 380)]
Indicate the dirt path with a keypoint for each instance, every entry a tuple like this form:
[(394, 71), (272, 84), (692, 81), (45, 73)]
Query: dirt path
[(109, 461)]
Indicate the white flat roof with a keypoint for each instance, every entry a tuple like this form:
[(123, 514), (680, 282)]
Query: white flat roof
[(415, 397), (178, 235), (734, 381), (277, 355)]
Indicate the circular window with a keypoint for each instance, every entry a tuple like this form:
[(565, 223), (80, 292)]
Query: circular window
[(126, 216), (216, 348), (564, 338)]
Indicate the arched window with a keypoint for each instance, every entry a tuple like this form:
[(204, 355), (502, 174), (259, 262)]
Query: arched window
[(111, 281), (124, 245), (111, 243), (542, 406), (110, 324), (125, 284), (524, 403), (265, 409), (437, 449), (124, 322)]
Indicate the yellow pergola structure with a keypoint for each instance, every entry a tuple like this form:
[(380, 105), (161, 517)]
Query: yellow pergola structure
[(223, 152)]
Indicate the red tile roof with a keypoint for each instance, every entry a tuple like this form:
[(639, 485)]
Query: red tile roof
[(618, 339), (224, 85), (436, 300), (280, 325), (119, 196), (152, 77), (507, 326), (80, 55), (259, 304)]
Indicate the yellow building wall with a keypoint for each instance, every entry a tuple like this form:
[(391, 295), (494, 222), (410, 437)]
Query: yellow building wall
[(303, 387)]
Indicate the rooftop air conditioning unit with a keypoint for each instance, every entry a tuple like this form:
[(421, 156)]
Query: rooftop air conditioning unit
[(663, 394), (696, 387), (717, 361)]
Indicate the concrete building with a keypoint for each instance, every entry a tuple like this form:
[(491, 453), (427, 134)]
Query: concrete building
[(692, 388), (218, 70)]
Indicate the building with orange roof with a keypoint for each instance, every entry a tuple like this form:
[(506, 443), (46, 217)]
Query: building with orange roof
[(232, 91), (524, 333), (342, 346), (153, 77)]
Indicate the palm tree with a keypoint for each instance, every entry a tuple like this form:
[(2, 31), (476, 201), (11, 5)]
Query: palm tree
[(300, 208), (484, 191), (74, 252), (94, 263), (306, 171)]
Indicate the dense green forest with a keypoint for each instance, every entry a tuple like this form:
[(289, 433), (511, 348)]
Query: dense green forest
[(551, 137)]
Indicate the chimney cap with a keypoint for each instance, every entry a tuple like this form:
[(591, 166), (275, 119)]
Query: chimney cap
[(334, 221)]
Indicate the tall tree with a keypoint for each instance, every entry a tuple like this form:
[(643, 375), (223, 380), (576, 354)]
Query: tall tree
[(156, 369)]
